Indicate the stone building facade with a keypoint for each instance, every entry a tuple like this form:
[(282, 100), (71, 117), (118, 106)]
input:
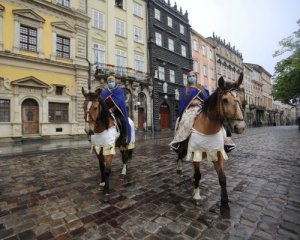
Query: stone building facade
[(118, 46), (169, 58), (229, 61), (204, 61), (43, 67)]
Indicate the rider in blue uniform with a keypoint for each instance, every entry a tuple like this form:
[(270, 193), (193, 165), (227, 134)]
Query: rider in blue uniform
[(114, 97)]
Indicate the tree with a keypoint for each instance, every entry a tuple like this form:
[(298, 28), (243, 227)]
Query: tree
[(287, 72)]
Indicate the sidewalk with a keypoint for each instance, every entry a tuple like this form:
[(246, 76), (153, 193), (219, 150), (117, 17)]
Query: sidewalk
[(42, 145)]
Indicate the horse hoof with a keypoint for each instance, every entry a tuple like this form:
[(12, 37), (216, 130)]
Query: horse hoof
[(179, 172), (197, 202)]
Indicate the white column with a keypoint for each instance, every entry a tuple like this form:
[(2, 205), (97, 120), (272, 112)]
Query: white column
[(16, 48), (40, 42), (72, 53), (53, 55), (1, 33)]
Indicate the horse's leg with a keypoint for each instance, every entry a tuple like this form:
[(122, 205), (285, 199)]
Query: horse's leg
[(197, 177), (107, 172), (179, 165), (219, 166), (124, 154), (102, 167)]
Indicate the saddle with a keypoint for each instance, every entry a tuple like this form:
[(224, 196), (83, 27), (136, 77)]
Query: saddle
[(121, 128)]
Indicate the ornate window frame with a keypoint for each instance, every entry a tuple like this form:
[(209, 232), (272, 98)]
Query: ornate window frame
[(31, 19), (65, 30)]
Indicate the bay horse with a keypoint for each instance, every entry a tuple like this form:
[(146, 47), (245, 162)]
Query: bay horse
[(100, 124), (224, 106)]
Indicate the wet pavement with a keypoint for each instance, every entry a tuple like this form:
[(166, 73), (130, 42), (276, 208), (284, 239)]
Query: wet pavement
[(55, 194)]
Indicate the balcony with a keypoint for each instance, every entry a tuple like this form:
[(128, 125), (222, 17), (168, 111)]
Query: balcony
[(102, 71)]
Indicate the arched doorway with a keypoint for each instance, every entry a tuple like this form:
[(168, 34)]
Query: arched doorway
[(142, 111), (30, 116), (164, 113)]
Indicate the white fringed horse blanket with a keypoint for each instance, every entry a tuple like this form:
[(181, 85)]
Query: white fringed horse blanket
[(106, 140), (210, 144), (183, 128)]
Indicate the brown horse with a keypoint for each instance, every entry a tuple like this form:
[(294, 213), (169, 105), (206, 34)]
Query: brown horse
[(100, 124), (224, 106)]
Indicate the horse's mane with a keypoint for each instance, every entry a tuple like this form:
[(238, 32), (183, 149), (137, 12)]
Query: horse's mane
[(105, 114)]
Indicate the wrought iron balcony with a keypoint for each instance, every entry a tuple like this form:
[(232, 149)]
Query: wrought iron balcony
[(101, 70)]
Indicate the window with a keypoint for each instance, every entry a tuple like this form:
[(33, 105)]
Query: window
[(195, 45), (158, 39), (181, 29), (120, 28), (203, 49), (65, 3), (121, 61), (184, 78), (99, 53), (28, 38), (196, 66), (58, 112), (137, 10), (204, 70), (138, 34), (59, 90), (183, 50), (211, 73), (62, 47), (172, 76), (170, 22), (157, 14), (119, 3), (98, 19), (171, 44), (210, 54), (161, 73), (4, 110), (139, 63)]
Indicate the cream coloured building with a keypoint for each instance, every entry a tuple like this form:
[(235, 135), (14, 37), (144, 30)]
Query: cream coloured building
[(42, 67), (117, 44)]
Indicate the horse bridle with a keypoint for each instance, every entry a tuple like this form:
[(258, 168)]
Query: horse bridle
[(221, 105)]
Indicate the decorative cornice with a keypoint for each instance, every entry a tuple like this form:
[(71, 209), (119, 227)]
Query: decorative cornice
[(63, 26), (28, 13), (30, 82)]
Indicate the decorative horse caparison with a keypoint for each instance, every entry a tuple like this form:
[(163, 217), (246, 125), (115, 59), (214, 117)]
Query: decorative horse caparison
[(223, 107), (99, 122)]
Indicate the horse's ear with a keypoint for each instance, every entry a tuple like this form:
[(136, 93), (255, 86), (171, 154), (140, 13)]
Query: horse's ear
[(84, 93), (238, 82), (221, 83), (98, 92)]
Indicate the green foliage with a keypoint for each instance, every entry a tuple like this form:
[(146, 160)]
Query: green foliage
[(287, 72)]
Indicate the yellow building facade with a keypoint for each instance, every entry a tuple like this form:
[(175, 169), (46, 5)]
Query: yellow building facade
[(43, 66), (118, 46)]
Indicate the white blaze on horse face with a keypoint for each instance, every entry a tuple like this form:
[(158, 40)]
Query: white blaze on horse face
[(87, 127), (238, 124)]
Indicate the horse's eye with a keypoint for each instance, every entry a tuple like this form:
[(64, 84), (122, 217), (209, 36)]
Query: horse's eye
[(225, 100)]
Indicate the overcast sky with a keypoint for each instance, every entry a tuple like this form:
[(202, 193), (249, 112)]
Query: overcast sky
[(255, 27)]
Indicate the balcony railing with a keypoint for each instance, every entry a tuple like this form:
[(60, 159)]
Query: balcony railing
[(101, 70)]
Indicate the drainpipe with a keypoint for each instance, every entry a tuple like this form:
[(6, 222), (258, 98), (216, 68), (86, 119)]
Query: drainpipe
[(87, 52)]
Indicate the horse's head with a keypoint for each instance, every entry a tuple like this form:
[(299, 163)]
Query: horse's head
[(92, 110), (231, 99)]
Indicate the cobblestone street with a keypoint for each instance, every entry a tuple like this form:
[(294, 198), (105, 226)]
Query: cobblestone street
[(55, 194)]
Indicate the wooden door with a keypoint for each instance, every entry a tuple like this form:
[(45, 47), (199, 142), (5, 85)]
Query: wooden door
[(141, 118), (164, 116), (30, 117)]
